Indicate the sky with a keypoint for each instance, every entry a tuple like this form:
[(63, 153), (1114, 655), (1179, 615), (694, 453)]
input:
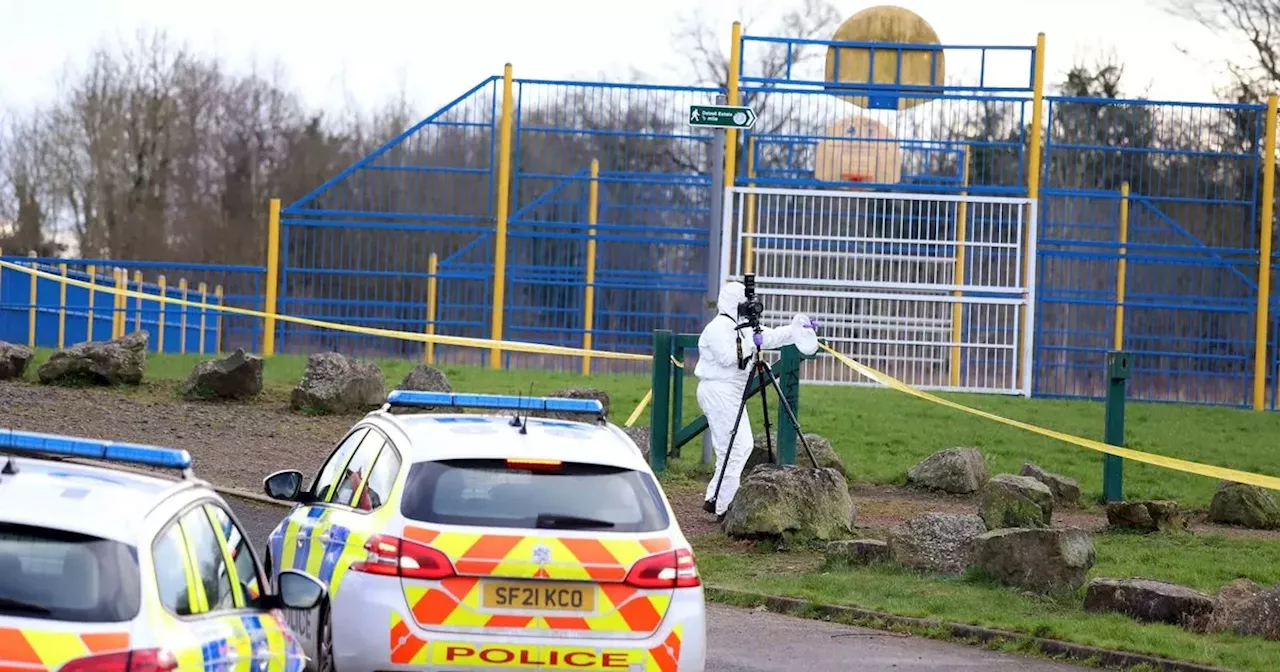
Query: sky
[(361, 52)]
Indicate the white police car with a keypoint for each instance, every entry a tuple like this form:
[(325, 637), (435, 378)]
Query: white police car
[(454, 541), (104, 570)]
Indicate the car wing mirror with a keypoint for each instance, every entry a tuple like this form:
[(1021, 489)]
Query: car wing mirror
[(283, 485), (299, 590)]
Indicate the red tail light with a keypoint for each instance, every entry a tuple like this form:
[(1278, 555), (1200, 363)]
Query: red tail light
[(672, 569), (393, 556), (138, 660)]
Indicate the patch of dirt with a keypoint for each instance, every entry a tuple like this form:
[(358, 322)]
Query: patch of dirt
[(237, 444)]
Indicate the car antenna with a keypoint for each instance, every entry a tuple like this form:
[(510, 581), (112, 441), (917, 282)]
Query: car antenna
[(9, 467), (524, 428), (515, 415)]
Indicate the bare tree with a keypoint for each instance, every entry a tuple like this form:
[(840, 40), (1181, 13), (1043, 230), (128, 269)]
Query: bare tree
[(1256, 22)]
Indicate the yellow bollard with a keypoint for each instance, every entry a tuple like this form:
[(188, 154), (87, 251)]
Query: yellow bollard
[(93, 280), (204, 307), (217, 339), (160, 319), (182, 322), (31, 311), (62, 307), (433, 261)]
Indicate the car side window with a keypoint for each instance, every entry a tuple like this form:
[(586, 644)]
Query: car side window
[(173, 581), (211, 564), (330, 473), (357, 473), (246, 569), (382, 477)]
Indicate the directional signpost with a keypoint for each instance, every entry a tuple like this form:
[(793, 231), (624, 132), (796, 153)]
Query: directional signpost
[(721, 116)]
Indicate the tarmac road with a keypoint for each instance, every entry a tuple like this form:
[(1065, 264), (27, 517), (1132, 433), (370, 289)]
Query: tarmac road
[(743, 640)]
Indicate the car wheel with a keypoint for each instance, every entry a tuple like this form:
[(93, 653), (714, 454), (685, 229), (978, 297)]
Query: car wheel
[(324, 645)]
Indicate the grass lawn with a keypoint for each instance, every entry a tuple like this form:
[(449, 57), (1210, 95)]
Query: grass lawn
[(1205, 562)]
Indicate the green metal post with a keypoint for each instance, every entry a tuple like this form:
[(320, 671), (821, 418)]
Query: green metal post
[(660, 409), (677, 391), (1118, 367), (788, 372)]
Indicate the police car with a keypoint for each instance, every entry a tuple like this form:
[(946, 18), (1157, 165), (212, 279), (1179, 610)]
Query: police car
[(455, 541), (104, 570)]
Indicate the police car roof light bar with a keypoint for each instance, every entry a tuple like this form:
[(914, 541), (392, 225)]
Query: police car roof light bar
[(493, 401), (15, 440)]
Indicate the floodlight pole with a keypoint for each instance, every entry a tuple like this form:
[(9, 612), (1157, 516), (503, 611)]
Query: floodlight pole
[(714, 241)]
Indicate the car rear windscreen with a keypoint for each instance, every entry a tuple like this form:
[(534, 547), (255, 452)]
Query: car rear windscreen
[(495, 493), (64, 576)]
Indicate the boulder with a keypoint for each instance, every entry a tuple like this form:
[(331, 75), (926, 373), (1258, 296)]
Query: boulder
[(1150, 600), (1015, 501), (237, 376), (639, 434), (1066, 491), (1039, 560), (424, 378), (858, 551), (119, 362), (332, 383), (820, 445), (936, 542), (1146, 516), (577, 393), (954, 470), (1246, 608), (14, 360), (791, 502), (1245, 505)]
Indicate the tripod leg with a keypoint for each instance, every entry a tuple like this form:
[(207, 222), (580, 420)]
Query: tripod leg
[(791, 415), (764, 408), (710, 505)]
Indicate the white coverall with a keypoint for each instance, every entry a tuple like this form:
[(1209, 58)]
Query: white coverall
[(721, 383)]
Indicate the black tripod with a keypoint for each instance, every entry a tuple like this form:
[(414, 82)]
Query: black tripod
[(764, 373)]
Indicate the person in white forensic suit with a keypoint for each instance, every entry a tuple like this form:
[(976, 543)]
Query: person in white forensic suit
[(725, 352)]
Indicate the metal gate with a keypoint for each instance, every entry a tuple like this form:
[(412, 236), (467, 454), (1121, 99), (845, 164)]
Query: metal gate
[(934, 290)]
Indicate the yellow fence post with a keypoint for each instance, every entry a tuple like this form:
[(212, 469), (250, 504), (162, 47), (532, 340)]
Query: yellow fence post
[(93, 280), (137, 315), (1033, 187), (433, 265), (31, 309), (962, 234), (273, 278), (501, 214), (589, 301), (160, 320), (1264, 256), (217, 339), (749, 245), (731, 134), (204, 308), (1122, 267), (118, 315), (182, 321), (62, 307)]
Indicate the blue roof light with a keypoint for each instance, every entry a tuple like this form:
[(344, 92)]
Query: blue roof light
[(493, 401), (15, 440)]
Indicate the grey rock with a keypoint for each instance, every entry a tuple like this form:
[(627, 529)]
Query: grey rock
[(793, 503), (237, 376), (820, 445), (1245, 505), (332, 383), (1066, 491), (858, 551), (119, 362), (1015, 501), (1039, 560), (1146, 516), (639, 434), (1247, 608), (1150, 600), (954, 470), (936, 542), (424, 378), (14, 359)]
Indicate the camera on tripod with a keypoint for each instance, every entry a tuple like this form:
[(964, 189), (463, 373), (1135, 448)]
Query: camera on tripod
[(752, 308)]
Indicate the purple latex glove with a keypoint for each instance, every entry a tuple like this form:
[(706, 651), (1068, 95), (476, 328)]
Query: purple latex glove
[(758, 339)]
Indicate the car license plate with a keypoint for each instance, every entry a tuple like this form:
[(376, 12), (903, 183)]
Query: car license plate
[(540, 595)]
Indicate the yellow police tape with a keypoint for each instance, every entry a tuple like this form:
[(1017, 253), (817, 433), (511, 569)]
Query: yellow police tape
[(485, 343), (1135, 455)]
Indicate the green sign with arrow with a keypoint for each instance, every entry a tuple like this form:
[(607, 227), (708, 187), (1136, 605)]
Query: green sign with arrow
[(721, 116)]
